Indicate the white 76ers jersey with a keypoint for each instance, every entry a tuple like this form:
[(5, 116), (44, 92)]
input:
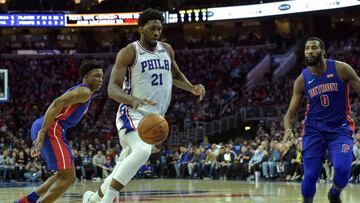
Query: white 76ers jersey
[(149, 78)]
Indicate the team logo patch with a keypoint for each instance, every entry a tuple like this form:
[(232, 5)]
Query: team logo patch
[(345, 148), (330, 75)]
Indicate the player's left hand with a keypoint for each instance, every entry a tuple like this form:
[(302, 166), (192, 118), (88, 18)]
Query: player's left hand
[(199, 90), (38, 143)]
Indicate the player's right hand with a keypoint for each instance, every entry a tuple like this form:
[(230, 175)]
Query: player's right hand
[(137, 102), (38, 143)]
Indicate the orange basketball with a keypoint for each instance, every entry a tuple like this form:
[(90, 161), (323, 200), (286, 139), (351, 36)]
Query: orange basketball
[(153, 129)]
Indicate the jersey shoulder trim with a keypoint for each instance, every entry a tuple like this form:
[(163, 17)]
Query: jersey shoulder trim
[(166, 51)]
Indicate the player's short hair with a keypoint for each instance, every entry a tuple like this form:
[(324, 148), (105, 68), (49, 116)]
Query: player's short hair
[(322, 44), (150, 14), (87, 65)]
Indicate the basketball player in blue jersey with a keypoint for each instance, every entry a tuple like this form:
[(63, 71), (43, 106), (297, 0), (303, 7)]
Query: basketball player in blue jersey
[(328, 125), (49, 134), (141, 81)]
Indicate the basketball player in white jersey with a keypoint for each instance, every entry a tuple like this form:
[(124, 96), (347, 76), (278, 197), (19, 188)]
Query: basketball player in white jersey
[(141, 81)]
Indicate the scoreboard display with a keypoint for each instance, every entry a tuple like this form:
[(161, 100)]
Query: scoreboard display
[(101, 19), (172, 16), (32, 20), (186, 16)]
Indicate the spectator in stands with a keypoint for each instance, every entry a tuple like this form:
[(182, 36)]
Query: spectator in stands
[(10, 166), (3, 160), (242, 163), (227, 163), (195, 164), (181, 164), (20, 166), (108, 155), (255, 161), (297, 163), (146, 171), (288, 154), (173, 160), (79, 167), (2, 139), (88, 164), (270, 164), (98, 161), (107, 167), (33, 170), (355, 167), (210, 164)]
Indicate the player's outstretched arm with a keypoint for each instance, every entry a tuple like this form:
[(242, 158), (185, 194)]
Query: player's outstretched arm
[(348, 74), (124, 59), (179, 78), (296, 100), (78, 95)]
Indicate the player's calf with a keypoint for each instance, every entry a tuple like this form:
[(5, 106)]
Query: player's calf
[(66, 178)]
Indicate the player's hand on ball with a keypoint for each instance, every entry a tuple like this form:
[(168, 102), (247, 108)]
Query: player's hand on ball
[(137, 102), (199, 90), (38, 143)]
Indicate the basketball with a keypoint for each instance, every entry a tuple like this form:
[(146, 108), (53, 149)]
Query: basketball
[(153, 129)]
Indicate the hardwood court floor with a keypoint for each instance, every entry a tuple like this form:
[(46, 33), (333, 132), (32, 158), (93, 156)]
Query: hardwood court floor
[(196, 191)]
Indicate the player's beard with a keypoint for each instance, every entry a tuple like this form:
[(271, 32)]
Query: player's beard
[(317, 61), (152, 43)]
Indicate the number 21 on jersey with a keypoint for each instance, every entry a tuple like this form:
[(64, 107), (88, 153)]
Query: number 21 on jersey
[(156, 79)]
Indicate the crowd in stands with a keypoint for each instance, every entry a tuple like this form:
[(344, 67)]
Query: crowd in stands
[(83, 42), (264, 158)]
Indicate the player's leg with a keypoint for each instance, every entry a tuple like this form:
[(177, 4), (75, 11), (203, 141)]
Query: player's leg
[(38, 192), (64, 164), (48, 155), (89, 196), (341, 152), (312, 169), (313, 146), (140, 153), (65, 178), (99, 194)]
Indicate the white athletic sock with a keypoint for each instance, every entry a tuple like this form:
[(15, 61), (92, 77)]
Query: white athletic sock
[(110, 195), (95, 198)]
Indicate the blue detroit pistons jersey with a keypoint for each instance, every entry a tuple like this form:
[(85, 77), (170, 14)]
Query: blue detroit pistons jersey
[(328, 98), (71, 115)]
